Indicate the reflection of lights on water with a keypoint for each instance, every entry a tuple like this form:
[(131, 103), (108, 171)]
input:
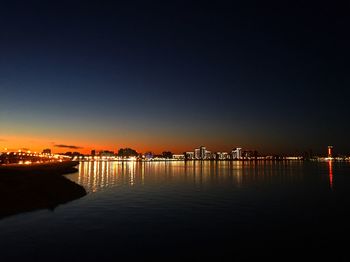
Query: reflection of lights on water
[(330, 173), (79, 173), (238, 172), (143, 174), (131, 171), (103, 174), (96, 175)]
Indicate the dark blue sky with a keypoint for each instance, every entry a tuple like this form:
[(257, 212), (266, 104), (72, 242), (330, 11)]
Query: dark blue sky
[(172, 75)]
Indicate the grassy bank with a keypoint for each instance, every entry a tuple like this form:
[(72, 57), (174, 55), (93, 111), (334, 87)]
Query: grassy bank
[(26, 188)]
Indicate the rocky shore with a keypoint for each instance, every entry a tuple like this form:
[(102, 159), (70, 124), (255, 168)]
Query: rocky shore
[(25, 188)]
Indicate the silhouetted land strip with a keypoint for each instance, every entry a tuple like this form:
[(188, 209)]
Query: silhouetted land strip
[(26, 188)]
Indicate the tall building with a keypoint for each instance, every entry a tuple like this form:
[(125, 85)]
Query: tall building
[(203, 151), (93, 152), (197, 153), (237, 153), (330, 151)]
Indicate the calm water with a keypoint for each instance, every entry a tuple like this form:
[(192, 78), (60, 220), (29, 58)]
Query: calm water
[(223, 211)]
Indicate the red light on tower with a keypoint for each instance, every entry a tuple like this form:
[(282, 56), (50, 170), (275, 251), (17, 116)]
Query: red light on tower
[(330, 151)]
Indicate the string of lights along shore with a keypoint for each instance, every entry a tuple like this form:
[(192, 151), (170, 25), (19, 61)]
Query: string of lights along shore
[(128, 154)]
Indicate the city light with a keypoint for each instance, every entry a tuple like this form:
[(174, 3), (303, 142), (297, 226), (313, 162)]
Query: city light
[(198, 154)]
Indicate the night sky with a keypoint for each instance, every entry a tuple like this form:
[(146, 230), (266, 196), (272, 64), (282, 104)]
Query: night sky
[(174, 75)]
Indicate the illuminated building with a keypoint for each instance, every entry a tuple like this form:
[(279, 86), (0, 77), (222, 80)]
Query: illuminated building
[(222, 156), (237, 153), (203, 151), (197, 153), (208, 154), (189, 155), (179, 157)]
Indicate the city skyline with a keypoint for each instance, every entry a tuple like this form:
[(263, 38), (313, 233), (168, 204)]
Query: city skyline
[(36, 145), (198, 152)]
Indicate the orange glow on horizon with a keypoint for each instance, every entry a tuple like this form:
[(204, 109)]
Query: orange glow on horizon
[(38, 144)]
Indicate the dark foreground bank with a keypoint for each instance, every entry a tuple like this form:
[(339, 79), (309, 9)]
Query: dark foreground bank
[(26, 188)]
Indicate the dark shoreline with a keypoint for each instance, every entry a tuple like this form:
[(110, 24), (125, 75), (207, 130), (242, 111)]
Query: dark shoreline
[(25, 188)]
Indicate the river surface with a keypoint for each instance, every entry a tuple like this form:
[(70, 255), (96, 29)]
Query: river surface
[(175, 210)]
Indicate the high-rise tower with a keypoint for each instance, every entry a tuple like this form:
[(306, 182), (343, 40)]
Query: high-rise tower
[(330, 151)]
